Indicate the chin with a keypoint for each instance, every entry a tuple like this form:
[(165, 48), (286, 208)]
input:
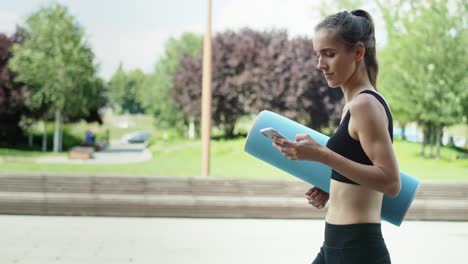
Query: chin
[(333, 85)]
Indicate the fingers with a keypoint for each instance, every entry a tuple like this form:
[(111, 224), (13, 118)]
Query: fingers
[(288, 148), (283, 142), (300, 137), (317, 197), (319, 204), (310, 191), (289, 152), (316, 194), (277, 140)]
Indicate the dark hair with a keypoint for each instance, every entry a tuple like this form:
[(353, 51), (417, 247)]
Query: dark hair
[(351, 28)]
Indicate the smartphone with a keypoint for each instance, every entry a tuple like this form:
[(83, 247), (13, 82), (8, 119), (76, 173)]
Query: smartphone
[(270, 132)]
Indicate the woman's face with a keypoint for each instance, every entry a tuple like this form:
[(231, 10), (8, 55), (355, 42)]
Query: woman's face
[(336, 62)]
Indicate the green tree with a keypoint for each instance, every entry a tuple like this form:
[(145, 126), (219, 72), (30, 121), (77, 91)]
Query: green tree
[(329, 7), (126, 91), (58, 62), (117, 85), (157, 92), (424, 65), (137, 81)]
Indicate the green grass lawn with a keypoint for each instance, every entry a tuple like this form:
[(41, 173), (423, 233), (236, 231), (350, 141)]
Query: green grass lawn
[(447, 168), (19, 154), (183, 158)]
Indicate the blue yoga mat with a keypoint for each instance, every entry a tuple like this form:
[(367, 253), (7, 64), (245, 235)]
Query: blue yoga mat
[(315, 173)]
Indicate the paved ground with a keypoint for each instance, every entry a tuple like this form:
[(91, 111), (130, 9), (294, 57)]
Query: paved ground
[(117, 152), (103, 240)]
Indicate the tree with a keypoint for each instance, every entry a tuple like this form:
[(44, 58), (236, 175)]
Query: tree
[(425, 65), (100, 101), (309, 96), (117, 85), (156, 97), (57, 61), (12, 94), (329, 7), (126, 91), (253, 71)]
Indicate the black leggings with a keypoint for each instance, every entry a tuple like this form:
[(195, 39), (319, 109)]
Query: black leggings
[(352, 244)]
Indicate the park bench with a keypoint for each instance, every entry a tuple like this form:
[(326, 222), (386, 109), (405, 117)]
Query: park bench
[(81, 152)]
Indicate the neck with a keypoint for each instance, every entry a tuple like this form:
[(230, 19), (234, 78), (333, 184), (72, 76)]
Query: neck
[(358, 82)]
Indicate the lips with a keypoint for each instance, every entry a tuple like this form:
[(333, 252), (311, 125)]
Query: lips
[(327, 75)]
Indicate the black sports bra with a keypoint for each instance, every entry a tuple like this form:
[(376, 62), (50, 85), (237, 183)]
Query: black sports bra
[(342, 143)]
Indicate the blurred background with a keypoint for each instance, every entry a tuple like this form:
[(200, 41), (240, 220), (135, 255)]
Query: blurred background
[(99, 73), (109, 93)]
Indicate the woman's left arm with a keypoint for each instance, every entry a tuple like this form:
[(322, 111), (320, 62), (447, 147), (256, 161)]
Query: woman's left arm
[(371, 128)]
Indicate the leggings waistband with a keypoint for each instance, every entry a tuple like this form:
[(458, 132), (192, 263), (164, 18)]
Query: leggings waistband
[(353, 235)]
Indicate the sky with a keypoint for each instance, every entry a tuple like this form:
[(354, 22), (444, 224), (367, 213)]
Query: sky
[(134, 32)]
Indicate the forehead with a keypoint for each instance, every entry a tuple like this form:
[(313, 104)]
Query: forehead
[(325, 39)]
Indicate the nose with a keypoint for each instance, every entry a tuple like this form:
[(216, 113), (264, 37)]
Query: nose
[(320, 65)]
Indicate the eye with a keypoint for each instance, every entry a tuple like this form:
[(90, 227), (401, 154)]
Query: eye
[(329, 54)]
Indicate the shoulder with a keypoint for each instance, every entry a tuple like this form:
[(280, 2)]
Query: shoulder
[(366, 105), (367, 111)]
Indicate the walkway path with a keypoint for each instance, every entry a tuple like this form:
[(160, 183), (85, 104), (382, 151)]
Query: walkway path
[(107, 240)]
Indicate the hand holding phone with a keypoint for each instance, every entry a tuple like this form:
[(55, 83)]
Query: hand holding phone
[(271, 132)]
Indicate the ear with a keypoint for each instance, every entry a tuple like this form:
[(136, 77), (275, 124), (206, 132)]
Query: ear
[(359, 51)]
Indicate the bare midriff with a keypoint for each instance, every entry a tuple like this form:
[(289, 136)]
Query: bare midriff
[(353, 204)]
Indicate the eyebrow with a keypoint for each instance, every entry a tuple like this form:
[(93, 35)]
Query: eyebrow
[(324, 50)]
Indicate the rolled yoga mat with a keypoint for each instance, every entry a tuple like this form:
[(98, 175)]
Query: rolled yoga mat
[(315, 173)]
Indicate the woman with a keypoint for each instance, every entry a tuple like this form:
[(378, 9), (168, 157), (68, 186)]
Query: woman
[(360, 152)]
